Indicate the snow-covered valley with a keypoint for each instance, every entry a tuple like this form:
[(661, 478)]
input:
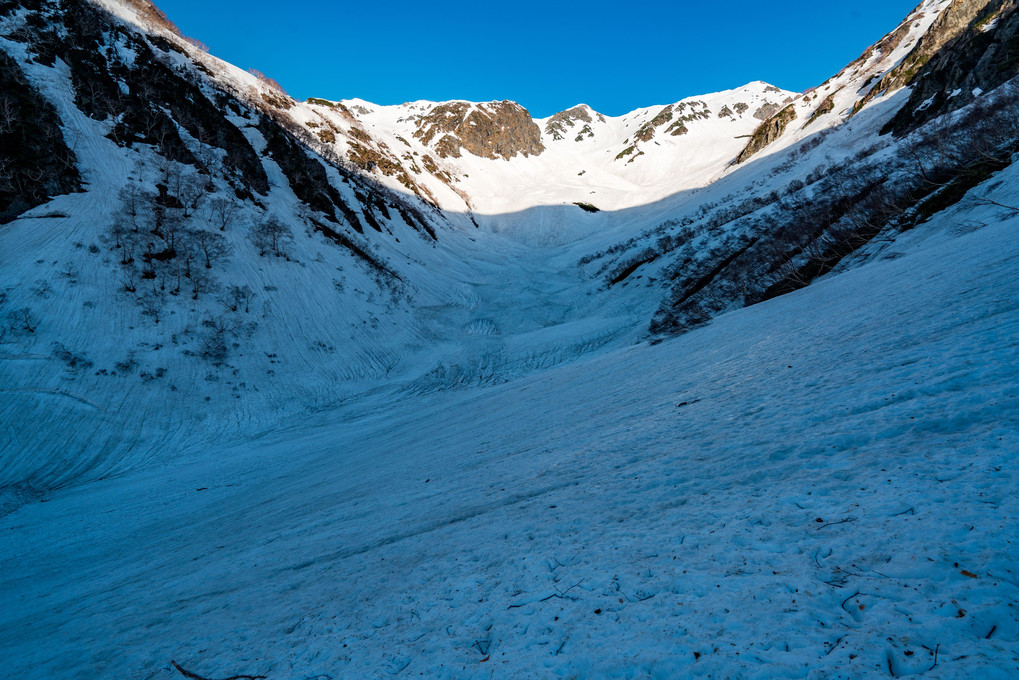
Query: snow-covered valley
[(792, 491), (723, 388)]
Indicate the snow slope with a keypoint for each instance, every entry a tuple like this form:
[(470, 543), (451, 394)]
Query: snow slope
[(480, 471), (583, 166), (481, 306), (819, 486)]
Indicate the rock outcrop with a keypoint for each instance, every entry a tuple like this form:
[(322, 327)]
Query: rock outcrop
[(493, 130), (557, 125), (767, 111), (827, 106), (35, 162), (952, 22), (979, 59), (768, 132)]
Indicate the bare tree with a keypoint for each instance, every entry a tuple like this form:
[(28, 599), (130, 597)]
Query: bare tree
[(10, 113), (202, 281), (212, 246), (134, 203), (162, 270), (129, 279), (219, 330), (237, 297), (153, 124), (22, 320), (207, 153), (7, 176), (152, 304), (174, 232), (190, 191), (272, 236), (126, 238), (223, 211)]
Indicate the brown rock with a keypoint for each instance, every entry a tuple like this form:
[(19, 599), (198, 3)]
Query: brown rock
[(492, 130)]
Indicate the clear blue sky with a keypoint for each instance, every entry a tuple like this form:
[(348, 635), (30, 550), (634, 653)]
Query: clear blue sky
[(615, 56)]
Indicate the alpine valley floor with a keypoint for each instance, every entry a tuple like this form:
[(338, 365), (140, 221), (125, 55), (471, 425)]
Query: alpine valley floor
[(820, 486)]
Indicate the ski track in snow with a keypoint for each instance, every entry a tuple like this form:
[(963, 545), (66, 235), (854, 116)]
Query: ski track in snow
[(820, 486)]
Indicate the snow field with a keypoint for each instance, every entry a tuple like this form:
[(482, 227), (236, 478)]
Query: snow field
[(821, 486)]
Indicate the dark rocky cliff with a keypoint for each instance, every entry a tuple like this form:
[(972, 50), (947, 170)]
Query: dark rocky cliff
[(978, 59), (35, 162), (953, 21)]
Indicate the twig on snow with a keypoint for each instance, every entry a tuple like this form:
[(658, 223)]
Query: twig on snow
[(561, 595), (986, 201), (195, 676), (843, 605), (835, 645)]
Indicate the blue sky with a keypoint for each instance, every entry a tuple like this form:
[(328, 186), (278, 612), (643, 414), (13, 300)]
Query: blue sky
[(548, 56)]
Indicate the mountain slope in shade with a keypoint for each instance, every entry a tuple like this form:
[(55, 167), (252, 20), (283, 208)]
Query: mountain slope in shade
[(330, 390), (435, 245), (819, 486)]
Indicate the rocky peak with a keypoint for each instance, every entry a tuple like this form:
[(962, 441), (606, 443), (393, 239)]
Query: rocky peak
[(557, 125), (490, 130)]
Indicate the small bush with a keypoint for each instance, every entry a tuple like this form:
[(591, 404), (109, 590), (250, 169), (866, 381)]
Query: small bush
[(75, 363)]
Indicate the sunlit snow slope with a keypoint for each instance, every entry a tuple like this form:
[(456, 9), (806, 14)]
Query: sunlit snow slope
[(609, 162)]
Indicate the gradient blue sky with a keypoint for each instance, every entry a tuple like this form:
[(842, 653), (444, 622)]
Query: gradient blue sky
[(613, 56)]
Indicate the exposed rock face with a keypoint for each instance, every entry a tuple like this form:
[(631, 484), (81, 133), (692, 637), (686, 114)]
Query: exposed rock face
[(766, 111), (827, 106), (697, 111), (647, 130), (886, 45), (369, 158), (952, 22), (675, 116), (557, 125), (35, 162), (768, 132), (148, 11), (982, 57), (494, 130), (448, 147)]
